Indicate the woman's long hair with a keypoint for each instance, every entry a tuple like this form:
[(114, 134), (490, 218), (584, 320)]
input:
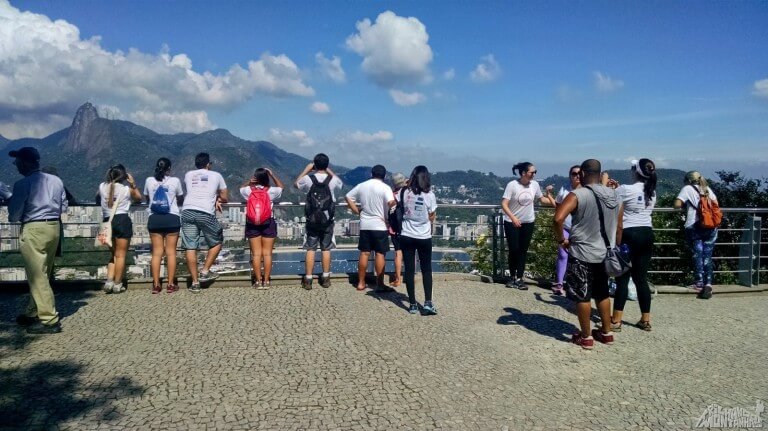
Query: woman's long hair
[(421, 180), (645, 170), (694, 178), (262, 177), (115, 174), (521, 168), (162, 168)]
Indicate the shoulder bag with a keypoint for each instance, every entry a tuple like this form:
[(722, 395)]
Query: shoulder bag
[(104, 237)]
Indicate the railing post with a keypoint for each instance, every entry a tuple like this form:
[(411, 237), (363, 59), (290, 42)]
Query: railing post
[(494, 249), (749, 253)]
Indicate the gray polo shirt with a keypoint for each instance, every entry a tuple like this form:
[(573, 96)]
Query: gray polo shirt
[(586, 242)]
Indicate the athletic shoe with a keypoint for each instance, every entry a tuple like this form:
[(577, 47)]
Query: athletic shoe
[(195, 287), (557, 290), (306, 283), (586, 343), (413, 309), (644, 325), (706, 293), (118, 288), (171, 288), (520, 284), (157, 289), (45, 329), (261, 286), (512, 284), (107, 288), (603, 338), (695, 287), (208, 276), (24, 320), (428, 309), (324, 281)]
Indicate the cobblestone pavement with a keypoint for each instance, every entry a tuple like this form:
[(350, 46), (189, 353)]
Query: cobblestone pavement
[(493, 359)]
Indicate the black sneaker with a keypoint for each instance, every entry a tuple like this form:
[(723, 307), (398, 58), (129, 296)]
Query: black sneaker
[(24, 320), (306, 283), (325, 282), (45, 329), (706, 292), (428, 309), (512, 284), (195, 287), (205, 277), (520, 284)]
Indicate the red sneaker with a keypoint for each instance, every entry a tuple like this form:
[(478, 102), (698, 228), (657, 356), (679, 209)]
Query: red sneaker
[(157, 289), (603, 338), (585, 342), (171, 288)]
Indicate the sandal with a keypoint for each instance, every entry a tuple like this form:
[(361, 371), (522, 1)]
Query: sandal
[(616, 326), (644, 325)]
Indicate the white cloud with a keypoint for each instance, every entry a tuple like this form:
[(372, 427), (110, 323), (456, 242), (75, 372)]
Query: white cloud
[(358, 137), (292, 138), (407, 99), (46, 68), (605, 84), (320, 108), (449, 74), (487, 70), (330, 68), (173, 122), (395, 49), (761, 88)]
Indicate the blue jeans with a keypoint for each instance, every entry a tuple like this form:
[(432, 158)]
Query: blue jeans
[(701, 242)]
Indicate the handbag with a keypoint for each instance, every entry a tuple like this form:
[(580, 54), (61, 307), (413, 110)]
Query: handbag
[(616, 261), (104, 237)]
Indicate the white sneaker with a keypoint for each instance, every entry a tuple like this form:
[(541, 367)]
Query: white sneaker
[(118, 288), (108, 285)]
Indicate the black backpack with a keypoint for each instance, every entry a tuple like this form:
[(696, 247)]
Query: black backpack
[(396, 216), (319, 208)]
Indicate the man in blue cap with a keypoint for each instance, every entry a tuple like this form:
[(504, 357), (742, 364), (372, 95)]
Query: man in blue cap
[(37, 202)]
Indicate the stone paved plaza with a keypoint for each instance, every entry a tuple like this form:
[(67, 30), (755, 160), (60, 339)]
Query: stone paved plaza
[(493, 359)]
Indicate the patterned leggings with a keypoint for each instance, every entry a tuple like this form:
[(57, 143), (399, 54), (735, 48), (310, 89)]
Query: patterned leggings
[(701, 242)]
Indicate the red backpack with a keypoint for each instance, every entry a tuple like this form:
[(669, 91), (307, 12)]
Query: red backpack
[(709, 214), (258, 209)]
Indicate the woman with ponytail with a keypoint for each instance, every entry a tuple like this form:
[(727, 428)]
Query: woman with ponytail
[(517, 205), (700, 240), (118, 191), (163, 195), (639, 199)]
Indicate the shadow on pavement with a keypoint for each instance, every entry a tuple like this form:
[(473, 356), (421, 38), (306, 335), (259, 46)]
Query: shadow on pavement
[(539, 323), (44, 394), (566, 304), (67, 303)]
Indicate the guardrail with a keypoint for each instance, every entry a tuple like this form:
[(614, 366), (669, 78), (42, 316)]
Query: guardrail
[(740, 250)]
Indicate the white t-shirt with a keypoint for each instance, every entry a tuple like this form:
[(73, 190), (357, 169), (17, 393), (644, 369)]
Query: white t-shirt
[(690, 197), (122, 192), (417, 208), (305, 183), (521, 200), (173, 186), (274, 193), (636, 212), (202, 186), (373, 196), (561, 195)]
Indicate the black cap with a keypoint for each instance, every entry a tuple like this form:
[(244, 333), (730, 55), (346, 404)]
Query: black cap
[(27, 154)]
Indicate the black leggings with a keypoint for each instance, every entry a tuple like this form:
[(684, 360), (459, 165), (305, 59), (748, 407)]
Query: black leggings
[(518, 241), (640, 242), (410, 246)]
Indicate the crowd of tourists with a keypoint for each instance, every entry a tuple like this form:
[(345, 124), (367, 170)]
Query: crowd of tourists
[(603, 229)]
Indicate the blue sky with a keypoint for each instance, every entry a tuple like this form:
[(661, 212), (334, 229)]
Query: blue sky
[(450, 84)]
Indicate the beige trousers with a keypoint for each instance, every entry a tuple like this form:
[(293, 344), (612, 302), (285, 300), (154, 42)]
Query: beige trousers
[(38, 248)]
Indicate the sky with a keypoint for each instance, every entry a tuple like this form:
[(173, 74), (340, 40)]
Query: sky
[(449, 84)]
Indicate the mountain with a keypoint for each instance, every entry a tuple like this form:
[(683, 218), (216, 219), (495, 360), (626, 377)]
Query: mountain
[(83, 152)]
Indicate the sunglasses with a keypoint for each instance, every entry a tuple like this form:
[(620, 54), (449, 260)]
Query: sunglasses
[(574, 174), (533, 172)]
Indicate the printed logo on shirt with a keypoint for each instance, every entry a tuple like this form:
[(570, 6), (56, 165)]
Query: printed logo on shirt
[(524, 198)]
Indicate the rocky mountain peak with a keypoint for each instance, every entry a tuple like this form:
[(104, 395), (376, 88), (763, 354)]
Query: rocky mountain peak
[(81, 127)]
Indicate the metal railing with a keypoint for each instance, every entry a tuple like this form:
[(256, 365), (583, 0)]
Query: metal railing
[(740, 250)]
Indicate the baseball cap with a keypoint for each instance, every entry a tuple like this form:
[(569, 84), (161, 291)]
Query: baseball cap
[(399, 180), (28, 154)]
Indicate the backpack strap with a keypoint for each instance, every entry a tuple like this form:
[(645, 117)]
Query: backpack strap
[(314, 179), (602, 218), (327, 179)]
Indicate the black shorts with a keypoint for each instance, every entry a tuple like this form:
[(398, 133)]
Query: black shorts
[(163, 223), (266, 230), (373, 240), (585, 281), (122, 226), (395, 242)]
